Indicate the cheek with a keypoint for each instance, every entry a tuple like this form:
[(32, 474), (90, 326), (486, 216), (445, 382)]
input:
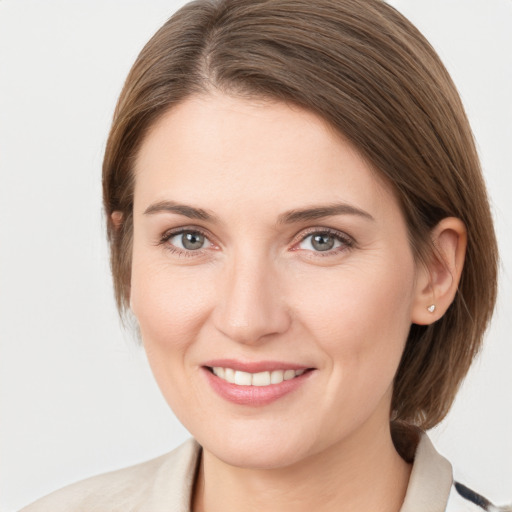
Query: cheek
[(170, 306), (361, 314)]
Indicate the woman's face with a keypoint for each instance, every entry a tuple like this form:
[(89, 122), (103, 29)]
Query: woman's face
[(265, 246)]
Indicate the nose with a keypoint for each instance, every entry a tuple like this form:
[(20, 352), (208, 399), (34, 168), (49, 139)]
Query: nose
[(251, 306)]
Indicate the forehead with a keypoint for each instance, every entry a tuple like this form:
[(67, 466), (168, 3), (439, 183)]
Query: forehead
[(220, 150)]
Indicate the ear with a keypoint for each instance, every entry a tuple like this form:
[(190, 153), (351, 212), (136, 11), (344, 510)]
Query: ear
[(117, 218), (438, 280)]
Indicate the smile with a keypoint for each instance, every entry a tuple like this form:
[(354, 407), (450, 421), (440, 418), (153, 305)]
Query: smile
[(255, 379), (255, 384)]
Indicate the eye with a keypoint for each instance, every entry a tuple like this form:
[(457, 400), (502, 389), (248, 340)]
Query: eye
[(325, 241), (185, 241)]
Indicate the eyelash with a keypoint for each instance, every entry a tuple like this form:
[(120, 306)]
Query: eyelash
[(347, 241), (176, 250)]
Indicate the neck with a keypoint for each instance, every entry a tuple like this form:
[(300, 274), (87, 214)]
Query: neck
[(351, 476)]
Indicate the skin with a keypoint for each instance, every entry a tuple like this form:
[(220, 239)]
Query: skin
[(259, 290)]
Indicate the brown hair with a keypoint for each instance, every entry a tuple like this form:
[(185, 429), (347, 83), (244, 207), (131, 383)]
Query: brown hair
[(365, 69)]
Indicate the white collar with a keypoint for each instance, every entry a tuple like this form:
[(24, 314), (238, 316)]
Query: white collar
[(430, 482)]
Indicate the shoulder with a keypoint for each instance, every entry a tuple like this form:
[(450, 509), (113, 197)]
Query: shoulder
[(164, 483)]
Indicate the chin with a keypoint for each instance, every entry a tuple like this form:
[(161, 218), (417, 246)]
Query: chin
[(245, 457), (257, 451)]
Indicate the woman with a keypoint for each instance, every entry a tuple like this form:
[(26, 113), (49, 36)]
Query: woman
[(298, 223)]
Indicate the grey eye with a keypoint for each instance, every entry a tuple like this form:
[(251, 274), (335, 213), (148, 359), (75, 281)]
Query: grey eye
[(188, 240), (321, 242)]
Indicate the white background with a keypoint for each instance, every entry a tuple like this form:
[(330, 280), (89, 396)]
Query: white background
[(76, 394)]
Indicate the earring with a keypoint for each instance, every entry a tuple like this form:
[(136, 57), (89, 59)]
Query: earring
[(431, 308)]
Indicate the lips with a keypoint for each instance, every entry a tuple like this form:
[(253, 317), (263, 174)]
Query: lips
[(257, 383)]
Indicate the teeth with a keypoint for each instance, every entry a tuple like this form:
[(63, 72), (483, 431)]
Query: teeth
[(289, 374), (255, 379), (229, 374), (261, 379), (243, 378), (276, 377), (220, 372)]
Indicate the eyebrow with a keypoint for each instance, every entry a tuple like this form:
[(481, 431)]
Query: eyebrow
[(319, 212), (181, 209), (290, 217)]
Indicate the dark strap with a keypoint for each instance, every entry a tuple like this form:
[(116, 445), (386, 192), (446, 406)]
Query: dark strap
[(472, 496)]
